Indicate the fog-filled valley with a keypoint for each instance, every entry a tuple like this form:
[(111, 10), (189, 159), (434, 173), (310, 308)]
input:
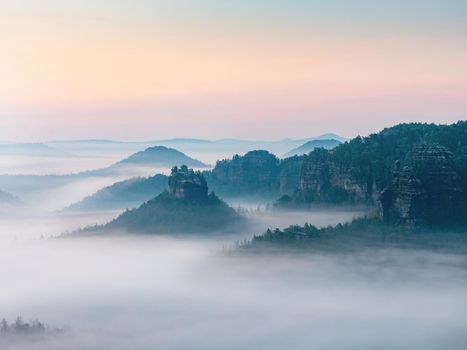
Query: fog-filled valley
[(146, 292), (194, 293), (124, 287)]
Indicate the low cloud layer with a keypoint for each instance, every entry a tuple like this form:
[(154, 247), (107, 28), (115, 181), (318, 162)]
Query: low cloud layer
[(151, 292)]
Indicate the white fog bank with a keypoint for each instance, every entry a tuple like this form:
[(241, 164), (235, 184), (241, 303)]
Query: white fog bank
[(159, 293)]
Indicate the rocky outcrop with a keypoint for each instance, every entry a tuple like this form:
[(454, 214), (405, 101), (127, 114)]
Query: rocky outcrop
[(289, 175), (185, 208), (188, 185), (257, 173), (323, 180), (405, 200), (428, 192)]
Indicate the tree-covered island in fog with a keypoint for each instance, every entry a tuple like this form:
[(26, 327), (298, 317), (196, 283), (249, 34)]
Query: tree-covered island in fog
[(359, 235), (187, 207)]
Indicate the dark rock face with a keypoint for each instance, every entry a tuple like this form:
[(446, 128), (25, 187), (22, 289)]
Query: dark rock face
[(289, 175), (405, 200), (257, 173), (188, 185), (429, 192), (321, 179)]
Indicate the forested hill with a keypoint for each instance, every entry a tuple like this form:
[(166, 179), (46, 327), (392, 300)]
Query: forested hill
[(187, 207), (372, 158), (160, 156), (357, 170)]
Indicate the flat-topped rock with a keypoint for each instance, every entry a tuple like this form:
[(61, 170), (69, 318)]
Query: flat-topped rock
[(187, 184)]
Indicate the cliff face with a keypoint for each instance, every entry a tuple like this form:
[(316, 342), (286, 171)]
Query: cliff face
[(321, 179), (429, 192), (404, 201), (289, 175), (188, 185), (257, 173)]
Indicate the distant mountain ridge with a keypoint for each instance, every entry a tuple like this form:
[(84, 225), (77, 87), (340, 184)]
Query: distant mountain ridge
[(329, 136), (196, 140), (31, 149), (188, 145)]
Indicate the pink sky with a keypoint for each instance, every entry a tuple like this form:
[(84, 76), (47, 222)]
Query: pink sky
[(158, 70)]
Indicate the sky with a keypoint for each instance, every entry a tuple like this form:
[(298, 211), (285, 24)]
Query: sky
[(253, 69)]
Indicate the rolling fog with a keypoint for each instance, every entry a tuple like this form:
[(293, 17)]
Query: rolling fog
[(158, 293), (142, 292), (164, 293)]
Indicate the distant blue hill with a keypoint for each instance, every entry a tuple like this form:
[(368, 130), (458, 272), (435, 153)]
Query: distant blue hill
[(309, 146), (124, 194), (330, 136), (162, 157)]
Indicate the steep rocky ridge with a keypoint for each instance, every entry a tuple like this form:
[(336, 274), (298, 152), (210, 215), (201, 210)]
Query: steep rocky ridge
[(185, 184), (429, 192), (360, 169)]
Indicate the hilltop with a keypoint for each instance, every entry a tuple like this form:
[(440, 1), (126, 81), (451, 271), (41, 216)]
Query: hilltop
[(311, 145), (186, 208), (160, 156)]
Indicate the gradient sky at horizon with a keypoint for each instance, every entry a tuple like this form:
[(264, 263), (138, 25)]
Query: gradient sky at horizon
[(252, 69)]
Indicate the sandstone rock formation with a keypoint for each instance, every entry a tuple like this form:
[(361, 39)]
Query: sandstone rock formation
[(188, 185), (257, 173), (429, 192), (321, 179)]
